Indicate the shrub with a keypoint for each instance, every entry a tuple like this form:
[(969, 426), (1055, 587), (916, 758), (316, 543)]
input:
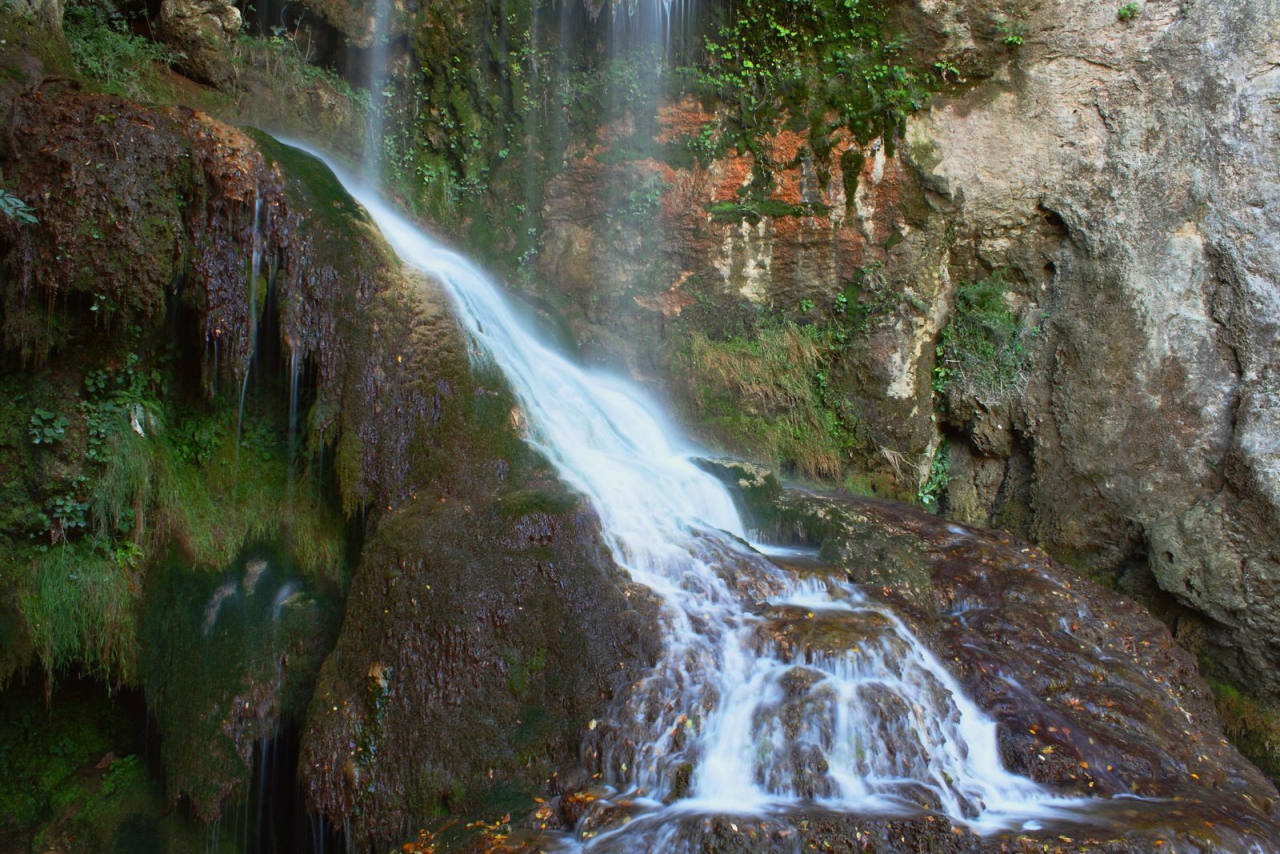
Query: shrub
[(104, 48), (983, 352), (1127, 12)]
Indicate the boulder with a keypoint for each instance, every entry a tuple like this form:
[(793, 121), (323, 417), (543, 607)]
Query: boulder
[(201, 31)]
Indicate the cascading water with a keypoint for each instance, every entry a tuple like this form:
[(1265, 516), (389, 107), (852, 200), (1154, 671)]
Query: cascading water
[(731, 719)]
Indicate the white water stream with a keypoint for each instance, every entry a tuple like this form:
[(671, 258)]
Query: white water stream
[(728, 722)]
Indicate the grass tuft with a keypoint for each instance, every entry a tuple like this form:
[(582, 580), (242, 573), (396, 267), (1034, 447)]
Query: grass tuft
[(766, 397), (79, 602)]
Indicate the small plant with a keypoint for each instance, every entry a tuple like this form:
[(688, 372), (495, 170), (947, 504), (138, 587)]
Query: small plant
[(1127, 12), (945, 68), (1013, 35), (935, 485), (47, 428), (69, 513), (105, 48), (16, 209), (195, 440)]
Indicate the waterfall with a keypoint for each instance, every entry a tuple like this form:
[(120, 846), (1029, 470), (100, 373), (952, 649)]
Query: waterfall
[(729, 721), (665, 24)]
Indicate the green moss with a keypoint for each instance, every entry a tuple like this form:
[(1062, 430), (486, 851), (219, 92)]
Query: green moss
[(754, 211), (851, 163), (43, 746), (249, 492), (312, 187), (1252, 724), (138, 474), (21, 34), (251, 639), (768, 397), (74, 777)]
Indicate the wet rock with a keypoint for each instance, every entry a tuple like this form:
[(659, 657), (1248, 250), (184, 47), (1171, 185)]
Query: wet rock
[(131, 201), (201, 31), (252, 640), (876, 555), (1092, 694), (491, 660)]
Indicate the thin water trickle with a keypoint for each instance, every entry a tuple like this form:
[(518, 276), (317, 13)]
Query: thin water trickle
[(876, 726), (379, 50), (255, 272)]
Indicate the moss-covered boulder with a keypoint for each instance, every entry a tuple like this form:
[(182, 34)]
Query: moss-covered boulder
[(229, 659), (486, 625)]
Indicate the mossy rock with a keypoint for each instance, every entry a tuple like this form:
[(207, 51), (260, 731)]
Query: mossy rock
[(251, 641), (756, 489), (1252, 724), (870, 548), (479, 641)]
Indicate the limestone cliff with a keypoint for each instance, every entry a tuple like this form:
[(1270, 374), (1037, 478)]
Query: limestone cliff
[(1127, 170)]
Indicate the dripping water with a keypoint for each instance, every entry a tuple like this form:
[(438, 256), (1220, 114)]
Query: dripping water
[(255, 271)]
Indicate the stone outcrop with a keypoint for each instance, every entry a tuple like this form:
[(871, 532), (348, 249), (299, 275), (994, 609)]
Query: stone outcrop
[(487, 623), (201, 31)]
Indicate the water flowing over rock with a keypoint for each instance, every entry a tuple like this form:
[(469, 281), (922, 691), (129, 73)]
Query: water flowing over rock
[(555, 600), (1120, 171), (788, 691)]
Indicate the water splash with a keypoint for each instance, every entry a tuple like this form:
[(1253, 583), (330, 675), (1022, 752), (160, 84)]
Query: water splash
[(735, 717)]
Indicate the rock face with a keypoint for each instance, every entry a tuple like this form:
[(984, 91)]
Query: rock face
[(487, 623), (1122, 175), (1127, 172), (202, 31), (638, 288)]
